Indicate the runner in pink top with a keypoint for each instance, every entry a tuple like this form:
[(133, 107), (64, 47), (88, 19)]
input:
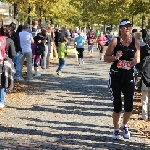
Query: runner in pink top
[(101, 40)]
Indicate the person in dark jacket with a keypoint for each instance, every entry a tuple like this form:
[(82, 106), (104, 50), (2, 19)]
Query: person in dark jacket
[(40, 39), (57, 34), (15, 37), (10, 47), (19, 29)]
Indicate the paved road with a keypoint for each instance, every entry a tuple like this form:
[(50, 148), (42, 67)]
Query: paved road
[(72, 112)]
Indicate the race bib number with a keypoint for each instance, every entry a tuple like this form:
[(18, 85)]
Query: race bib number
[(79, 44), (91, 40), (123, 64)]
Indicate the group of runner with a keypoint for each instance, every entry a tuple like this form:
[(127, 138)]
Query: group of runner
[(92, 37)]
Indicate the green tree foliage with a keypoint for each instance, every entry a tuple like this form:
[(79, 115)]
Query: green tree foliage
[(82, 12)]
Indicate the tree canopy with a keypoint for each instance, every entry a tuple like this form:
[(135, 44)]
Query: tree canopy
[(80, 13)]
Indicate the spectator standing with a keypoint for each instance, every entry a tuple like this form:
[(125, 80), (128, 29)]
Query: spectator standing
[(26, 39), (146, 82), (138, 67), (34, 30), (17, 59), (10, 47), (57, 38), (7, 70), (68, 37), (41, 39), (50, 42), (52, 49)]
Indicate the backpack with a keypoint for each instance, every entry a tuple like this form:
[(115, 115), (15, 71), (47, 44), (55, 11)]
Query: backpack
[(2, 48), (39, 49)]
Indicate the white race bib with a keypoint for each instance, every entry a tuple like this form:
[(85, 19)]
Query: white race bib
[(79, 44), (91, 40), (123, 64)]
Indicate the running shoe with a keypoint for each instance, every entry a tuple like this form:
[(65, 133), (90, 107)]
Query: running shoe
[(2, 105), (126, 133), (83, 62), (37, 74), (115, 135)]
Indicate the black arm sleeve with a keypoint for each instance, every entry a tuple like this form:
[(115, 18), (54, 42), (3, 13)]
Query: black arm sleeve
[(15, 37), (12, 49)]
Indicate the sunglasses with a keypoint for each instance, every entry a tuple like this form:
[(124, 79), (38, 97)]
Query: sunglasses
[(127, 26)]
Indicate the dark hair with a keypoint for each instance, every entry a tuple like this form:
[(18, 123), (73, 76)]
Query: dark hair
[(13, 26), (19, 29), (134, 30), (64, 39), (25, 26), (2, 31), (43, 32), (34, 23), (7, 32)]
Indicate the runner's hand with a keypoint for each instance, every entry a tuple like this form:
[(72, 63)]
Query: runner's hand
[(134, 61), (119, 54)]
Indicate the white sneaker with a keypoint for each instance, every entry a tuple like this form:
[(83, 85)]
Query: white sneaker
[(83, 62), (37, 74), (19, 78), (102, 58), (59, 74), (2, 105), (115, 135), (126, 133)]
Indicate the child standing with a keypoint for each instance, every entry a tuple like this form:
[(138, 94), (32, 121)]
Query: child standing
[(61, 55)]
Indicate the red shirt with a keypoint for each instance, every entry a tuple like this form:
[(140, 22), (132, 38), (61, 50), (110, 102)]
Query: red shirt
[(91, 38)]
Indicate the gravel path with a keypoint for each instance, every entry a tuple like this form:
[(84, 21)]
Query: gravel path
[(72, 112)]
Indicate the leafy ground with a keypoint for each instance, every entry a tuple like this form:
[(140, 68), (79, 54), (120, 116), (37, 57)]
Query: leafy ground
[(144, 126)]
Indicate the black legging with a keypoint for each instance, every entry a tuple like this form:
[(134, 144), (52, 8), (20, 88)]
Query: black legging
[(80, 52), (101, 48)]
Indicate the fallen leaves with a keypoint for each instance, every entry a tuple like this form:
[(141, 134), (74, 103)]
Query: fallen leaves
[(143, 126)]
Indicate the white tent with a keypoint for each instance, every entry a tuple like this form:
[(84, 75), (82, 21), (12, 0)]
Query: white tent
[(8, 20)]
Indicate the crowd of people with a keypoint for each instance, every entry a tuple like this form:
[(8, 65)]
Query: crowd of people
[(128, 52)]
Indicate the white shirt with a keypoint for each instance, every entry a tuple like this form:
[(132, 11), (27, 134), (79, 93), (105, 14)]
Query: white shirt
[(25, 41), (75, 35)]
